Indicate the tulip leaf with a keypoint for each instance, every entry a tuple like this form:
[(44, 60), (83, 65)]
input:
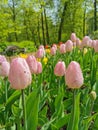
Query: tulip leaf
[(86, 122), (32, 105), (62, 121), (12, 98), (75, 112)]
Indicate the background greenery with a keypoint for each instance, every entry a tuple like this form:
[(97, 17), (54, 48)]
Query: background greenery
[(47, 21)]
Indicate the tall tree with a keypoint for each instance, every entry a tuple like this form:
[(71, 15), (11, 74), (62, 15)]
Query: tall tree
[(95, 15), (62, 21), (43, 30), (46, 22)]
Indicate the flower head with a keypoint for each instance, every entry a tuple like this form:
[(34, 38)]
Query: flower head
[(60, 68), (45, 60), (74, 77), (19, 74), (4, 69)]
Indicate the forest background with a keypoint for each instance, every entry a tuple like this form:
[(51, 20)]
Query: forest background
[(29, 23)]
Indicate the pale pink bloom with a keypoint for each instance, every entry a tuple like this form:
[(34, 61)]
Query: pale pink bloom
[(90, 44), (39, 68), (53, 50), (32, 62), (19, 74), (69, 46), (4, 69), (40, 53), (93, 43), (60, 68), (85, 41), (54, 45), (73, 37), (96, 46), (2, 58), (78, 42), (74, 77), (41, 47), (62, 48)]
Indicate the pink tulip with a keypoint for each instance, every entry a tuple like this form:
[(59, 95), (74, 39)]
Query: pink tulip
[(93, 43), (54, 45), (85, 41), (60, 68), (19, 74), (40, 53), (4, 69), (89, 43), (62, 48), (32, 62), (69, 46), (41, 47), (53, 50), (73, 37), (2, 58), (96, 46), (39, 68), (78, 42), (74, 77)]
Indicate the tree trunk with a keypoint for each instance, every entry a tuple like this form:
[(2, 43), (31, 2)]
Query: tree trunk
[(95, 15), (38, 29), (47, 31), (84, 22), (43, 31), (61, 23), (14, 19), (26, 27)]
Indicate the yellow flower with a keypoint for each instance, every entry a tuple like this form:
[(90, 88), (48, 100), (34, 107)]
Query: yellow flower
[(85, 51), (45, 60), (38, 59), (47, 50), (23, 55)]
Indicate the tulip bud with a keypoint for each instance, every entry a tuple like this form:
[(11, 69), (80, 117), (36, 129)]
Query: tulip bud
[(85, 51), (69, 46), (32, 62), (4, 69), (60, 68), (40, 53), (54, 45), (41, 47), (73, 37), (19, 74), (93, 95), (85, 41), (74, 77), (93, 43), (39, 68), (96, 46), (62, 48), (2, 58), (53, 50), (78, 42)]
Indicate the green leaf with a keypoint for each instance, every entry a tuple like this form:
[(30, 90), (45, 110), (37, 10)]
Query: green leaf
[(62, 121), (16, 111), (87, 121), (67, 103), (75, 113), (32, 105), (12, 98)]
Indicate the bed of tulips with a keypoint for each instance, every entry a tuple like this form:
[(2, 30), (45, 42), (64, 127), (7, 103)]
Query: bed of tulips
[(54, 89)]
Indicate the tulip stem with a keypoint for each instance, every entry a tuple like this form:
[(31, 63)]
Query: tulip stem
[(6, 90), (6, 97), (24, 110)]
